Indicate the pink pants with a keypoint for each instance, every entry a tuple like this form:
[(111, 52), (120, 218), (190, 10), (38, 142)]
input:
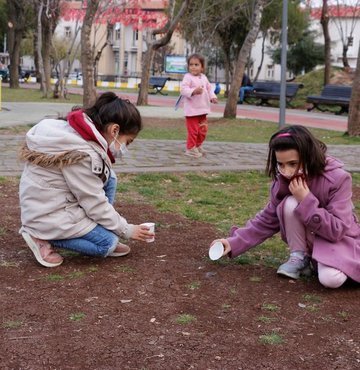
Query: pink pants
[(298, 240)]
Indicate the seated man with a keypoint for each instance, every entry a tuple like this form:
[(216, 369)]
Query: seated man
[(246, 85)]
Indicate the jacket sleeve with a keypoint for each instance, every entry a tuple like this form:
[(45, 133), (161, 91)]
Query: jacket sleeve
[(87, 188), (210, 89), (185, 86), (264, 225), (334, 220)]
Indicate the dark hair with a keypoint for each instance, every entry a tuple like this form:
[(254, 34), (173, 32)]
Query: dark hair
[(109, 108), (312, 152), (197, 56)]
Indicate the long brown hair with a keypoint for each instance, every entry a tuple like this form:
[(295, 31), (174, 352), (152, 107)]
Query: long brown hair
[(312, 152)]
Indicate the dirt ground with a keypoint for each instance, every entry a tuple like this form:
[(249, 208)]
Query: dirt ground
[(165, 306)]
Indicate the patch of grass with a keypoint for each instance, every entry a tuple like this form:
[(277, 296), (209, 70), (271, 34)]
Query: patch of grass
[(237, 130), (226, 306), (266, 319), (344, 315), (185, 318), (270, 307), (255, 279), (8, 264), (92, 269), (2, 231), (12, 324), (77, 316), (75, 274), (35, 95), (312, 298), (124, 268), (312, 308), (271, 338), (193, 285), (54, 277)]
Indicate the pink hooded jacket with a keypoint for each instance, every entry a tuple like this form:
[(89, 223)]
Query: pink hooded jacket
[(327, 211), (196, 105)]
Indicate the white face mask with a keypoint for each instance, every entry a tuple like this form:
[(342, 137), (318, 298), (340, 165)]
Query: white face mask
[(288, 176), (118, 153)]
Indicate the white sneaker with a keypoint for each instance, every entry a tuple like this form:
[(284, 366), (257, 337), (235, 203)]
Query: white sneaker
[(193, 152), (201, 150)]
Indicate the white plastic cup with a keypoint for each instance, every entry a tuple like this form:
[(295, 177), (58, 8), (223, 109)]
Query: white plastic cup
[(151, 226), (216, 251)]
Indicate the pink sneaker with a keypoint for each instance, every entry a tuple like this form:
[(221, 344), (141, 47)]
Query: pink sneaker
[(120, 250), (43, 251)]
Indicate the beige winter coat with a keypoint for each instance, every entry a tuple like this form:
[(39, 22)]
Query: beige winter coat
[(61, 187)]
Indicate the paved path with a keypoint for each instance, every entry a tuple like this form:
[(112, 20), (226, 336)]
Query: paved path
[(156, 155)]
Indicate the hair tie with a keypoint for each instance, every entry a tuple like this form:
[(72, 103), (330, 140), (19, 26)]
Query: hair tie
[(284, 134)]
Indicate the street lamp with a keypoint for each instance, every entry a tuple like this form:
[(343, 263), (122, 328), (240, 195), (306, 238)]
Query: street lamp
[(284, 24)]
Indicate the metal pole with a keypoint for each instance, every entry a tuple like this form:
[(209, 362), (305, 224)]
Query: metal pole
[(283, 63)]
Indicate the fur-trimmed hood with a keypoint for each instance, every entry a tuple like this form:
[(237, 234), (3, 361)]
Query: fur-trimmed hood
[(50, 160), (54, 143)]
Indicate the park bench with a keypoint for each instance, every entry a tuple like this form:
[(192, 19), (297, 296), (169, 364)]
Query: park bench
[(156, 84), (331, 95), (270, 90)]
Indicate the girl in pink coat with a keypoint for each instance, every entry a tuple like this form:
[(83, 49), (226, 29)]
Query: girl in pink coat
[(197, 93), (310, 205)]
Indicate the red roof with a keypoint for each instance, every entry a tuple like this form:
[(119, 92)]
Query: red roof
[(343, 11)]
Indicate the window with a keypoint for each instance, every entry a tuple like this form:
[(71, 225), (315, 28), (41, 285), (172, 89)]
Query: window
[(117, 31), (270, 71), (135, 37), (67, 32)]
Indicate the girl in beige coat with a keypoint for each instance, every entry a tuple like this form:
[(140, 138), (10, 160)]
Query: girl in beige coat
[(67, 187)]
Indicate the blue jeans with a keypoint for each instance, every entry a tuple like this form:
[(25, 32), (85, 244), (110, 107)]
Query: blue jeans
[(242, 92), (99, 241)]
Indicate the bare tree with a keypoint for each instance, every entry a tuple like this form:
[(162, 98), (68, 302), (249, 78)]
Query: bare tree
[(154, 44), (242, 59), (87, 54), (19, 16), (345, 30), (39, 49), (354, 114), (324, 20)]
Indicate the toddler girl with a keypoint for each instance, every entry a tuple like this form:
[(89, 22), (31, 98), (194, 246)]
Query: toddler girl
[(197, 93)]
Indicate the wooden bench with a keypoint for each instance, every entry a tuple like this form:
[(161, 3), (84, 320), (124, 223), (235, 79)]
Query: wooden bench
[(156, 84), (270, 90), (333, 95)]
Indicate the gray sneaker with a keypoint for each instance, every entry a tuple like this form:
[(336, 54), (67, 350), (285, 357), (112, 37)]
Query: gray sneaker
[(298, 264)]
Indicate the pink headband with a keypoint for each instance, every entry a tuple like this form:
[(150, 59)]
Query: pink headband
[(284, 134)]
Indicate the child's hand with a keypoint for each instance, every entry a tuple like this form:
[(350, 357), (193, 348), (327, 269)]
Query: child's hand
[(214, 100), (198, 91), (141, 232), (299, 188), (225, 243)]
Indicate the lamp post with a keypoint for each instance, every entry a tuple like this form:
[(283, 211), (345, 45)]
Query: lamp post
[(284, 24)]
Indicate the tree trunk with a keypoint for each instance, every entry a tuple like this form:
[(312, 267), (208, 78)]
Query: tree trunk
[(16, 12), (39, 50), (344, 56), (145, 76), (354, 111), (167, 32), (87, 54), (262, 57), (231, 103), (327, 41)]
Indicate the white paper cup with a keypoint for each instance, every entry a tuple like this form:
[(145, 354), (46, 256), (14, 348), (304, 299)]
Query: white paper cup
[(216, 251), (151, 226)]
